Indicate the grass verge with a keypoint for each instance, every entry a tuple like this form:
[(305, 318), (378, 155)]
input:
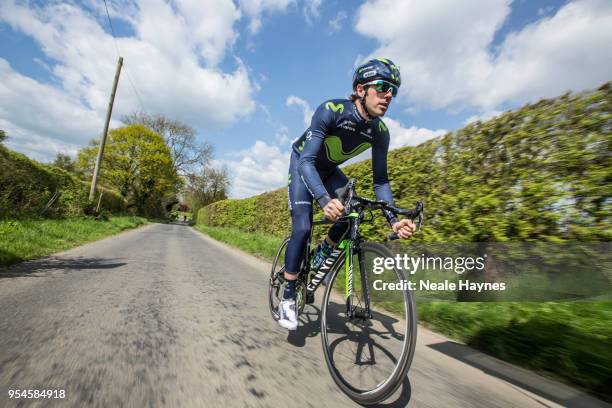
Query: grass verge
[(569, 341), (23, 239), (263, 246)]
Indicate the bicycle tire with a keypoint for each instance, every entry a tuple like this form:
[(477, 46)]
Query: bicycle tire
[(387, 387)]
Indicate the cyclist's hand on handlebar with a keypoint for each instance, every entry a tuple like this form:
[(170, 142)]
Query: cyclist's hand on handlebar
[(404, 228), (333, 210)]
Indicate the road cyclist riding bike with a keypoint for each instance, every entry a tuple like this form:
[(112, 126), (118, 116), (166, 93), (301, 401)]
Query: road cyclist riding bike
[(340, 129), (369, 334)]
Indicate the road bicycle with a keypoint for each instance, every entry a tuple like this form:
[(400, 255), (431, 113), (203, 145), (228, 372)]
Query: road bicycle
[(368, 332)]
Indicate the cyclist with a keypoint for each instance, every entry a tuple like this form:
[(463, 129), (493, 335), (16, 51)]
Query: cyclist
[(340, 129)]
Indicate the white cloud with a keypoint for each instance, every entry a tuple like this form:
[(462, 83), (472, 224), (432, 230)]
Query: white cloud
[(443, 50), (412, 136), (42, 120), (306, 109), (258, 169), (210, 26), (544, 10), (174, 68), (254, 9), (335, 24), (570, 50), (311, 10), (281, 131), (282, 135), (483, 117), (187, 28)]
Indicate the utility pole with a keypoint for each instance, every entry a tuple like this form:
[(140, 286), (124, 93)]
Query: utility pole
[(94, 180)]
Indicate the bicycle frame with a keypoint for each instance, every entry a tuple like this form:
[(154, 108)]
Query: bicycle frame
[(350, 246)]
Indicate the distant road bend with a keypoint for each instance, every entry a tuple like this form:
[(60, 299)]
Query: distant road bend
[(164, 316)]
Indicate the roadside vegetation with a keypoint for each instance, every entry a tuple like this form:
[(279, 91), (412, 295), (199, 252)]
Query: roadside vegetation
[(29, 238), (566, 340), (540, 174), (261, 245), (148, 163)]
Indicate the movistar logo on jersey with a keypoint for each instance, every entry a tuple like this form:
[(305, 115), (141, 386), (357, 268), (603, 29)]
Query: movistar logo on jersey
[(382, 127), (336, 108), (335, 153)]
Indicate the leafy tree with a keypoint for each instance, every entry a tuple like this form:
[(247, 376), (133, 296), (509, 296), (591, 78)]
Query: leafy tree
[(64, 161), (206, 187), (187, 155), (3, 136), (138, 164)]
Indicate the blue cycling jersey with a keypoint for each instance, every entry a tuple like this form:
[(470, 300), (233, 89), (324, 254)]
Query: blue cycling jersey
[(337, 133)]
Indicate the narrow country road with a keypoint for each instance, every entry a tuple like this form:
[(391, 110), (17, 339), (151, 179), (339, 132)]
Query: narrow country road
[(164, 316)]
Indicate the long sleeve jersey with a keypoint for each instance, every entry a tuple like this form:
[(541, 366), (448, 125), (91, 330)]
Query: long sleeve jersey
[(337, 133)]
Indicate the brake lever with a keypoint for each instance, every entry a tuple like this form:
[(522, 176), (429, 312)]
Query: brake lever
[(420, 219)]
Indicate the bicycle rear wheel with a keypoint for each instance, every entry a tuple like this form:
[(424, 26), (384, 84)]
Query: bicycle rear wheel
[(276, 282), (368, 358)]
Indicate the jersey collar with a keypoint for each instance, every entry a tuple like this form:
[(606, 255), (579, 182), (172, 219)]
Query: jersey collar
[(360, 119)]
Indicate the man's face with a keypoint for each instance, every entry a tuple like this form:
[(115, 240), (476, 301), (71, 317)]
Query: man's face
[(377, 103)]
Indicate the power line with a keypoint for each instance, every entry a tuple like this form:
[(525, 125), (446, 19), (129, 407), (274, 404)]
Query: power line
[(135, 91), (110, 23)]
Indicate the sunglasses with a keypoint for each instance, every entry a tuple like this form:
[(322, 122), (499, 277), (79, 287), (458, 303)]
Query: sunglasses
[(384, 87)]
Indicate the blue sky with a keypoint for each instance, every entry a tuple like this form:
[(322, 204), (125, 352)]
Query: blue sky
[(247, 74)]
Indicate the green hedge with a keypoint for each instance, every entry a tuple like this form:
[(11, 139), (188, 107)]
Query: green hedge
[(265, 213), (26, 187), (541, 173)]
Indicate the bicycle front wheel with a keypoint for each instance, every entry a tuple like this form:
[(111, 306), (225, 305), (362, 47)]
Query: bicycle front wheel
[(368, 356)]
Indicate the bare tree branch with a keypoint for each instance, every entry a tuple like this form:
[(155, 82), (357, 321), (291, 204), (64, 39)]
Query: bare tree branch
[(187, 154), (206, 187)]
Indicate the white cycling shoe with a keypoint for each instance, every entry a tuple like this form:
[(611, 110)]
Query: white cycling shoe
[(288, 314)]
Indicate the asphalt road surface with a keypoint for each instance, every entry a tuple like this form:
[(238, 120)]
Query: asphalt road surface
[(164, 316)]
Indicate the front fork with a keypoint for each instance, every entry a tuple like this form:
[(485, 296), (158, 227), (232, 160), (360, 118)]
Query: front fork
[(365, 285)]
